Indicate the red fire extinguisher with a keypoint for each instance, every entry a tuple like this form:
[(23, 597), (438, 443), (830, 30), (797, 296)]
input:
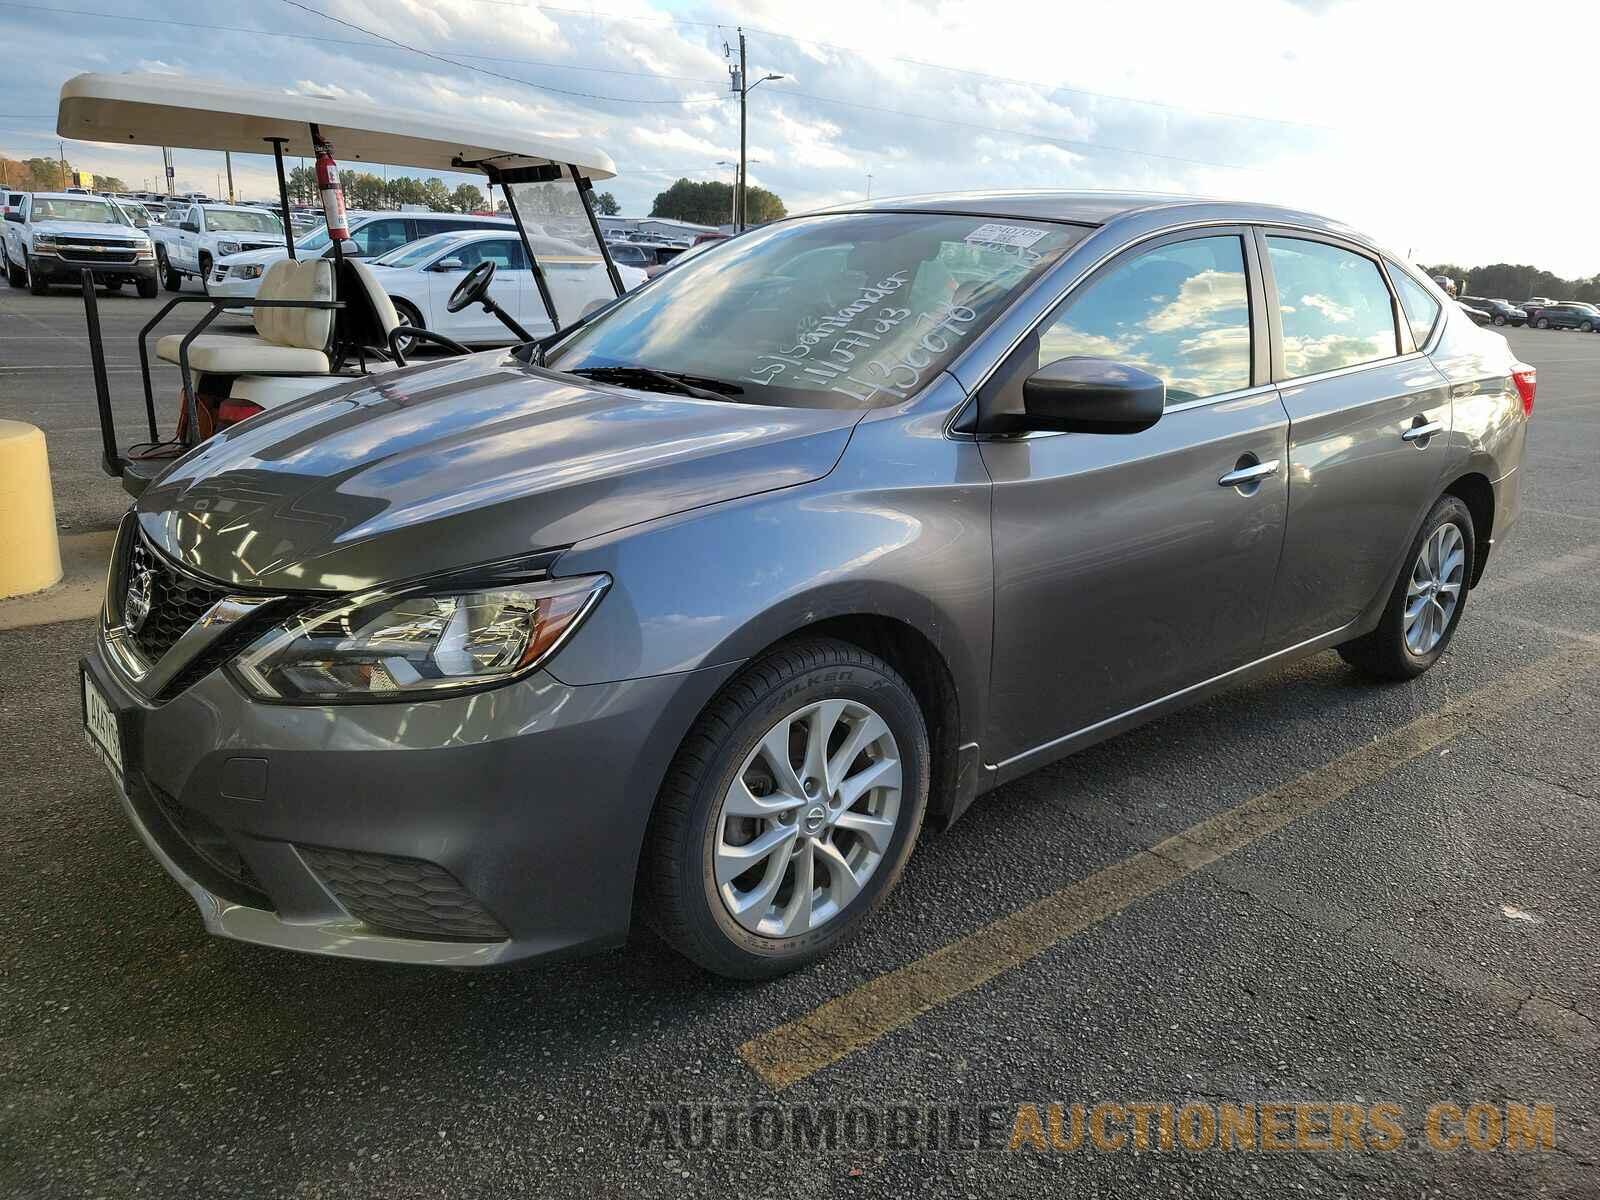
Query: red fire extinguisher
[(332, 193)]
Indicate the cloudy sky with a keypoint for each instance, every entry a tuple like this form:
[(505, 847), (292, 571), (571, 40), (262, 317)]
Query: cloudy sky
[(1420, 123)]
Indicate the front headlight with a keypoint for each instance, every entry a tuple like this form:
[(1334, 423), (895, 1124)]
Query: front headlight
[(246, 271), (143, 251), (226, 248), (388, 646), (44, 244)]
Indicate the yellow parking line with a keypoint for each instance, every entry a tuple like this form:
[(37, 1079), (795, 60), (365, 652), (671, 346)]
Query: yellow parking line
[(860, 1017)]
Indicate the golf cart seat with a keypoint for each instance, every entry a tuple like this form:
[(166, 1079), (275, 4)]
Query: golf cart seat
[(287, 341)]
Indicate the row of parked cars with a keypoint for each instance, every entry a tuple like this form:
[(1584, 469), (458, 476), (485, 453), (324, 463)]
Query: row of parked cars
[(51, 237), (1541, 312)]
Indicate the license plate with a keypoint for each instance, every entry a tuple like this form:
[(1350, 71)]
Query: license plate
[(101, 728)]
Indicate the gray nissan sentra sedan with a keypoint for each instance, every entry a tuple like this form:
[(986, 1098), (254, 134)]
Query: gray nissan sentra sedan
[(706, 609)]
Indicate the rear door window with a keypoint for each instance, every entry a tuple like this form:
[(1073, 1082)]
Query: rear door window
[(1180, 311), (1335, 307), (1421, 309)]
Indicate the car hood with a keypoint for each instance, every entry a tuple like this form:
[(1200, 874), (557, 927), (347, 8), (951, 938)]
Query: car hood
[(475, 460), (97, 229)]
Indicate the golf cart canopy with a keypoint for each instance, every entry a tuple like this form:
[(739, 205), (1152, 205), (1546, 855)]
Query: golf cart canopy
[(198, 114)]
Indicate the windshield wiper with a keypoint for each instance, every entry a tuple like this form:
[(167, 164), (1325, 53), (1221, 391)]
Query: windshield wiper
[(672, 381)]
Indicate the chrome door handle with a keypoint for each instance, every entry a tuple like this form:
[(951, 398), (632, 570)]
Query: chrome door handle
[(1251, 474), (1417, 432)]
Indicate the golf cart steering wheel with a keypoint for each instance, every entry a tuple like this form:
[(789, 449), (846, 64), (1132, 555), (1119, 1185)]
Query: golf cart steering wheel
[(472, 288)]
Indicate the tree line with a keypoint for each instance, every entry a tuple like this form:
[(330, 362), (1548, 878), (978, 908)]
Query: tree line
[(1517, 282), (45, 175), (711, 203)]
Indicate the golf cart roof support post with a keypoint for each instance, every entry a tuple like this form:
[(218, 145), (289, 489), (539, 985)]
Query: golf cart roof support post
[(495, 176), (102, 388), (283, 192), (586, 194)]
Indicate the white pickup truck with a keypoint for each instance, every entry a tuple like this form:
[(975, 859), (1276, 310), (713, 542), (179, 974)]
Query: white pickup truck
[(192, 237), (53, 237)]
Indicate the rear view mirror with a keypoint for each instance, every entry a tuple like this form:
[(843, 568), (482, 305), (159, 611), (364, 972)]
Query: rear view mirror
[(1092, 395)]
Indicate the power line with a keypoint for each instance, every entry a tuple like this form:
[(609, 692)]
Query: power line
[(335, 41), (543, 87)]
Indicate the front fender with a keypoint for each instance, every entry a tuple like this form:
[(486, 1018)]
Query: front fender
[(900, 529)]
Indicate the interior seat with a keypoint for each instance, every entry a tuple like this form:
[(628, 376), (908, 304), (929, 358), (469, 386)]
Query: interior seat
[(287, 341)]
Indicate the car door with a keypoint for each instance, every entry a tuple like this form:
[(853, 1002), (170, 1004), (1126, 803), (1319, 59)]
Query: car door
[(1369, 422), (511, 281), (1131, 566)]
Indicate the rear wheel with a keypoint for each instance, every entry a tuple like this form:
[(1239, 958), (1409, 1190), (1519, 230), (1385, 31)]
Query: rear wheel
[(1499, 319), (789, 811), (1543, 323), (113, 287), (1587, 327), (1427, 600)]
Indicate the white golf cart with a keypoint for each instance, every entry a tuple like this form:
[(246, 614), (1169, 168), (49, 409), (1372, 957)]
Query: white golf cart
[(325, 320)]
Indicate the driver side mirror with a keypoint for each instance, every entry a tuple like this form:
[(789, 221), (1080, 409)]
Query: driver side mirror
[(449, 264), (190, 227), (1092, 395), (14, 216)]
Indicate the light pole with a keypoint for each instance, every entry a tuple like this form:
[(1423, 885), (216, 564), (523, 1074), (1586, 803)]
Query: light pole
[(724, 162), (743, 87), (869, 185)]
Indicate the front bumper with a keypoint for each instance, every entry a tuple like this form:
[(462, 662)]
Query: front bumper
[(222, 283), (480, 830), (54, 269)]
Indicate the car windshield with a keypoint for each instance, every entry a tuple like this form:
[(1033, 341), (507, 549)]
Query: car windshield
[(415, 253), (223, 220), (846, 311), (94, 211)]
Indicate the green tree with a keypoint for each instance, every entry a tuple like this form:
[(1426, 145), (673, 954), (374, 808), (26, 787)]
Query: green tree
[(606, 204), (711, 203), (44, 175), (466, 198), (109, 183), (303, 185), (435, 195)]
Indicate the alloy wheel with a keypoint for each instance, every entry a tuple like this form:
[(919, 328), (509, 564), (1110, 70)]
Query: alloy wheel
[(808, 819), (1434, 590)]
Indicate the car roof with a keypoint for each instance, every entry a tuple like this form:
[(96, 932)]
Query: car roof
[(1085, 207), (70, 196)]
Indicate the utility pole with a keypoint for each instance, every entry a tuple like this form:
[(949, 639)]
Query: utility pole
[(65, 182), (227, 157), (743, 86), (869, 185)]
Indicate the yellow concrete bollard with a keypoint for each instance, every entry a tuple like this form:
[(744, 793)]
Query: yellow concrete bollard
[(30, 553)]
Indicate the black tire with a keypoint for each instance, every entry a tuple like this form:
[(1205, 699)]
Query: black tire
[(1587, 327), (1543, 323), (205, 273), (408, 314), (680, 897), (36, 286), (1499, 319), (113, 288), (1383, 653), (170, 279), (15, 275), (148, 289)]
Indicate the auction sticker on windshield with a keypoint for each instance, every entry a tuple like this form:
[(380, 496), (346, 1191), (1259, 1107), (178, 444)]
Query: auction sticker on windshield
[(100, 727), (994, 234)]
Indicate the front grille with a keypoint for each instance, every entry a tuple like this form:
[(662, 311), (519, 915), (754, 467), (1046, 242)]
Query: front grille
[(402, 895), (96, 250), (177, 600)]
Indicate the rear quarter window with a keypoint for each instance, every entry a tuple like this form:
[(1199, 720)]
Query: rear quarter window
[(1421, 309)]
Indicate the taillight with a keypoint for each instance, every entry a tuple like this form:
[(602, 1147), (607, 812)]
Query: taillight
[(231, 412), (1527, 380)]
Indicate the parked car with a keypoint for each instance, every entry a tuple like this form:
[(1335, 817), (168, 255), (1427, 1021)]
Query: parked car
[(736, 586), (138, 215), (54, 236), (1567, 316), (1500, 312), (372, 235), (9, 202), (189, 240), (420, 277), (1479, 316)]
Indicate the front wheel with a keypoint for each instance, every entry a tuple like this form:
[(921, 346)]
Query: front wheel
[(1543, 323), (170, 279), (789, 811), (148, 289), (15, 275), (36, 286), (1499, 319), (409, 315), (1587, 327), (1426, 603), (205, 273)]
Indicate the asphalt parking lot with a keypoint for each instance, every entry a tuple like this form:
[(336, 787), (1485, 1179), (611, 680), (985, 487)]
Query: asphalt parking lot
[(1309, 890)]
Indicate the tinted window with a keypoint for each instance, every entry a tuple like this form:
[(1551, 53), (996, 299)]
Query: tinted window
[(505, 253), (1181, 311), (1335, 306), (380, 237), (1421, 309)]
